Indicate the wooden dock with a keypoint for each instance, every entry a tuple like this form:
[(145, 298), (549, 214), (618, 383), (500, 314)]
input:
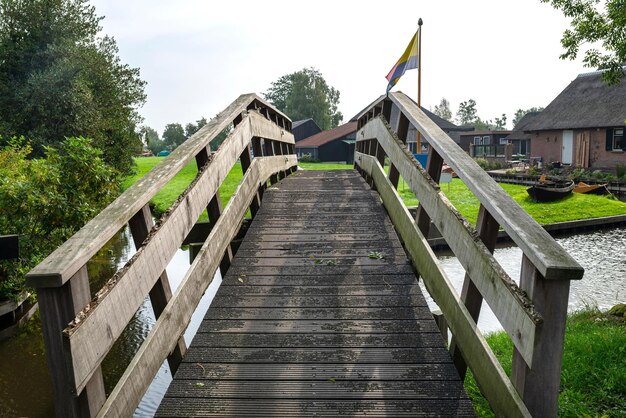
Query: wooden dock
[(319, 314)]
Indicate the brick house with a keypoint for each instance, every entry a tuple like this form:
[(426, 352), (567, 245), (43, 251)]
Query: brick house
[(583, 126)]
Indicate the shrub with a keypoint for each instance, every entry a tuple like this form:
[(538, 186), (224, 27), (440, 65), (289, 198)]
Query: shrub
[(620, 171), (46, 200), (308, 158)]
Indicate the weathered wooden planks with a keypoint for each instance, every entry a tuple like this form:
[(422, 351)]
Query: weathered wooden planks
[(512, 307), (177, 314), (491, 378), (323, 318)]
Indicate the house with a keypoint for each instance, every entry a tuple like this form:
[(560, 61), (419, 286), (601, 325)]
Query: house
[(583, 126), (482, 140), (304, 128), (520, 139), (333, 145)]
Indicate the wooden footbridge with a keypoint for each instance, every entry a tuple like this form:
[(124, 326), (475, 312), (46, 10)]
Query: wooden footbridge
[(320, 312)]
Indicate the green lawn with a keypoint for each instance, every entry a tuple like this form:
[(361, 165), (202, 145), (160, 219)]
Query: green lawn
[(593, 378), (576, 206)]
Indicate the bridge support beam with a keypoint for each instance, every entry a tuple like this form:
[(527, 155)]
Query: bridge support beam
[(58, 306), (539, 384)]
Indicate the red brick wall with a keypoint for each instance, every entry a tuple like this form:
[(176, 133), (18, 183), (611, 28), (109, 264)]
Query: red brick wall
[(598, 155), (546, 144)]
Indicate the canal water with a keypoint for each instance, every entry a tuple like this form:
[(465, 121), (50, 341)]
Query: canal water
[(24, 381)]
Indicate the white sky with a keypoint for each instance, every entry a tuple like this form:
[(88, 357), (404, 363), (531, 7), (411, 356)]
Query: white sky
[(198, 56)]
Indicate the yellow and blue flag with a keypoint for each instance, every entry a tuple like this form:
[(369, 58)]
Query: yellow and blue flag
[(407, 61)]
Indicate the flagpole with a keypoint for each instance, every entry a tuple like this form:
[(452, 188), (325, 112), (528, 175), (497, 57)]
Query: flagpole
[(419, 78)]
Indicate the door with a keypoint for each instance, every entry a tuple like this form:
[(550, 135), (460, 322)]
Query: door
[(568, 147)]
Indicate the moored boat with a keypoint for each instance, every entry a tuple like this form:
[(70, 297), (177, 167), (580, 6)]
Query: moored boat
[(591, 188), (548, 190)]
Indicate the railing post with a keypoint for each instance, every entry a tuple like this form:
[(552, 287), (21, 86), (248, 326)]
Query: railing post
[(487, 228), (433, 168), (214, 210), (161, 293), (538, 384), (257, 149), (402, 132), (58, 306), (246, 160)]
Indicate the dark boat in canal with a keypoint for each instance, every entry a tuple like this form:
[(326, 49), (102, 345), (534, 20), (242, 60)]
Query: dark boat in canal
[(550, 190)]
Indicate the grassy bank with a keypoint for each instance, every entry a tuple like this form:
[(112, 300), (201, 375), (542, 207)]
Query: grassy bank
[(574, 207), (593, 378)]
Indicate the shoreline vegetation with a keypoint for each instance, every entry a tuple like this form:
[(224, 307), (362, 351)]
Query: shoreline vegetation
[(593, 376), (574, 207)]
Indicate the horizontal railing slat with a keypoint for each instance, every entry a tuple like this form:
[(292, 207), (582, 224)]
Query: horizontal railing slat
[(176, 316), (66, 260), (90, 339), (512, 308), (552, 261), (491, 378)]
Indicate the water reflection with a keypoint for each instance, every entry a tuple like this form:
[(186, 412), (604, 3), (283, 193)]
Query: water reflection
[(601, 253)]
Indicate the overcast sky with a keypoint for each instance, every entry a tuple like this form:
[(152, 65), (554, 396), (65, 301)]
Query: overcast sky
[(198, 56)]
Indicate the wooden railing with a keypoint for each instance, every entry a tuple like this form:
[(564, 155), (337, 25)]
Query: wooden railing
[(79, 331), (533, 314)]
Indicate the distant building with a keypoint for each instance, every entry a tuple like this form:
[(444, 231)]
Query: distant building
[(521, 139), (333, 145), (480, 140), (583, 126), (304, 128)]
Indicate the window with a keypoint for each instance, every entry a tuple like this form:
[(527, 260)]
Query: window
[(477, 140), (486, 140), (618, 139)]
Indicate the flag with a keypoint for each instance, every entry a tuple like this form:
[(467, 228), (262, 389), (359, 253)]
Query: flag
[(407, 61)]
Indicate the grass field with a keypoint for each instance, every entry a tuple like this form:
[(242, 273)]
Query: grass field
[(574, 207), (593, 378)]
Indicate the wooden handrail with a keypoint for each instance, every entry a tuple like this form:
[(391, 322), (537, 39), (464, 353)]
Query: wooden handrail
[(552, 261), (512, 307), (144, 366), (75, 352), (66, 260), (488, 373), (533, 313)]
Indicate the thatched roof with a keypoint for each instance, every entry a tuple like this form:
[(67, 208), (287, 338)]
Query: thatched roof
[(588, 102), (518, 130)]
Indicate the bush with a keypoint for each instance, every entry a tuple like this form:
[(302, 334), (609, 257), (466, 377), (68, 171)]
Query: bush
[(308, 158), (620, 171), (47, 200)]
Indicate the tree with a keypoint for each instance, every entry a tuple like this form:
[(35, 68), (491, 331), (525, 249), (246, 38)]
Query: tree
[(150, 138), (500, 123), (467, 113), (59, 78), (443, 110), (305, 94), (173, 135), (192, 128), (520, 113), (595, 21)]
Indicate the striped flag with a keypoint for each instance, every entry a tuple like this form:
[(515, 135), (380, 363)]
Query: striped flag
[(407, 61)]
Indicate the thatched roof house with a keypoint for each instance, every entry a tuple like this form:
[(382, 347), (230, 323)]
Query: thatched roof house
[(583, 126)]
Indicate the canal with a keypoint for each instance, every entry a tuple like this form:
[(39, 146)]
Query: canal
[(24, 382)]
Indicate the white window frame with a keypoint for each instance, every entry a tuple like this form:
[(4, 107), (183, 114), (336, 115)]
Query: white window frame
[(621, 136), (477, 140)]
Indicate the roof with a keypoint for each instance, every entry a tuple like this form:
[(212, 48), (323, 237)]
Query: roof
[(476, 133), (300, 122), (518, 130), (587, 102), (325, 137)]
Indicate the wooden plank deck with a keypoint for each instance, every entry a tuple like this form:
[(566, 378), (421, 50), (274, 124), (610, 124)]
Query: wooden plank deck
[(305, 323)]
